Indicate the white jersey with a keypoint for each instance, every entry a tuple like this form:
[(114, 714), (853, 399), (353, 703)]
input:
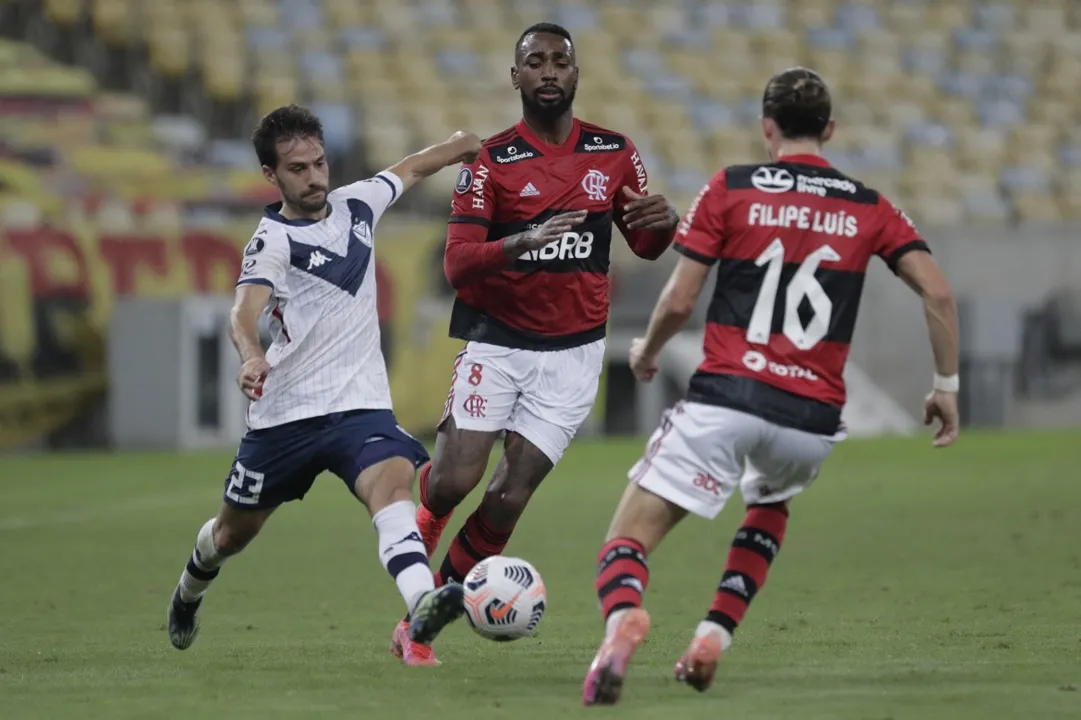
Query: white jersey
[(326, 356)]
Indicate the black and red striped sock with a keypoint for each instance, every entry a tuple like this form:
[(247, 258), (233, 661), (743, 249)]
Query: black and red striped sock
[(756, 544), (622, 575), (476, 541)]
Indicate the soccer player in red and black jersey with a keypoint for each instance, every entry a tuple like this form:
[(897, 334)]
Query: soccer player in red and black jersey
[(528, 248), (763, 411)]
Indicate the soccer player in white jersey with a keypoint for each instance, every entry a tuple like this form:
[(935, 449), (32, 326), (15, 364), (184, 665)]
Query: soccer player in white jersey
[(320, 395)]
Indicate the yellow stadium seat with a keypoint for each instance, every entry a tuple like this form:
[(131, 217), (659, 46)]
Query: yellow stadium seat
[(1036, 208), (907, 18), (63, 12), (169, 51), (112, 20), (811, 13), (949, 15), (935, 209), (981, 150)]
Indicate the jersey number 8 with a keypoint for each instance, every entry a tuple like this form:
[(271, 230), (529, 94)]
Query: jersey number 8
[(802, 285)]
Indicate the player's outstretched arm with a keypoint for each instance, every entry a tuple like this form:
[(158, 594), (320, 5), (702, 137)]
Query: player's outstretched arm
[(250, 300), (674, 306), (461, 147), (920, 271)]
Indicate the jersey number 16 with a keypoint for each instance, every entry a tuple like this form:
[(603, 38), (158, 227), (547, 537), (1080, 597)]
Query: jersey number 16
[(802, 285)]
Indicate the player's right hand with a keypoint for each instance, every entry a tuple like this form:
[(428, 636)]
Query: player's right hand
[(469, 146), (943, 406), (643, 366), (554, 228), (251, 377)]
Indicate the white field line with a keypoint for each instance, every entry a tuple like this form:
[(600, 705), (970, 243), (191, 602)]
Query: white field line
[(100, 512)]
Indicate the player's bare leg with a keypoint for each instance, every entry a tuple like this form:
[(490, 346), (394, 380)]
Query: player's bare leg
[(641, 521), (386, 488), (458, 465), (220, 537), (488, 530)]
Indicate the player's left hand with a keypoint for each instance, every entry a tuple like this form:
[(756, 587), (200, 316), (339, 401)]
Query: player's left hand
[(942, 405), (648, 212), (643, 366), (469, 145)]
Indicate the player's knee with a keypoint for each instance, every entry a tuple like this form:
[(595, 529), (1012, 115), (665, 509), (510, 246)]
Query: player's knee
[(450, 485), (505, 503)]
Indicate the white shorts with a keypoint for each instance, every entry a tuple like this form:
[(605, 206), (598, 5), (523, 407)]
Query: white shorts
[(543, 396), (701, 453)]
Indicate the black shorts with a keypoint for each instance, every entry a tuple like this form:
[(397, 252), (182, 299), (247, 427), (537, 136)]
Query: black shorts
[(278, 464)]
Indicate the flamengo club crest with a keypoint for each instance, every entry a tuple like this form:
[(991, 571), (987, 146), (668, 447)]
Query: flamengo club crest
[(595, 183)]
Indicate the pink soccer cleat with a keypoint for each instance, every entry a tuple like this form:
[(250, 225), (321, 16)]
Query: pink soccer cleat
[(699, 663), (431, 528), (604, 682), (409, 652)]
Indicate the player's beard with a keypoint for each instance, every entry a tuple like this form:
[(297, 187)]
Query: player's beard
[(547, 111), (309, 203)]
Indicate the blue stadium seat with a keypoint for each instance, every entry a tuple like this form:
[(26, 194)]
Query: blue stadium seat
[(708, 114), (1000, 114), (457, 60), (338, 126), (1024, 178), (576, 17), (230, 153), (829, 38), (321, 65), (301, 14), (266, 38), (362, 38), (854, 17)]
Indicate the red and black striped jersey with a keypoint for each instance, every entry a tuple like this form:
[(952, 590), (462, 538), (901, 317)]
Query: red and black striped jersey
[(794, 239), (558, 296)]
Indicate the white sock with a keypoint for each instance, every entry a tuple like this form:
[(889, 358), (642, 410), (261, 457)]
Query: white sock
[(202, 566), (401, 550), (612, 622), (709, 628)]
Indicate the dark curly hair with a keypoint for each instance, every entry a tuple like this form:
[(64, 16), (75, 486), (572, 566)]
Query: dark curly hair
[(291, 121)]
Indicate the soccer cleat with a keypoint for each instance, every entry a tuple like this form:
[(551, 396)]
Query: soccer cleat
[(409, 652), (699, 663), (604, 682), (183, 621), (431, 528), (437, 609)]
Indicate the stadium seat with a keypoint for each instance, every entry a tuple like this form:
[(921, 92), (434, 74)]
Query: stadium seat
[(958, 89)]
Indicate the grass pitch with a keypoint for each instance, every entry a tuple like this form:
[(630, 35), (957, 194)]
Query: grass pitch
[(913, 584)]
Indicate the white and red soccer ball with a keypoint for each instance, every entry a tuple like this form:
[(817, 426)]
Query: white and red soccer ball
[(505, 598)]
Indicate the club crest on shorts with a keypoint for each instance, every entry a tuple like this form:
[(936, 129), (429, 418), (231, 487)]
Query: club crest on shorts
[(464, 181)]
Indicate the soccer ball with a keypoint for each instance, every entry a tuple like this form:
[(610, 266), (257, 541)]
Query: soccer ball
[(505, 598)]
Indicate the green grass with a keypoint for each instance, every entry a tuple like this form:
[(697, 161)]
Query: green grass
[(913, 584)]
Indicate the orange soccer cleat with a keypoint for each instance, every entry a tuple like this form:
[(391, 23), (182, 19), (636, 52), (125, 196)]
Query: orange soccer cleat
[(409, 652), (699, 663), (604, 683), (431, 528)]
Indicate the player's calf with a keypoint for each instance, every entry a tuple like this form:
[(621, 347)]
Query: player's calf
[(218, 539), (431, 526), (622, 579), (488, 530), (756, 544)]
